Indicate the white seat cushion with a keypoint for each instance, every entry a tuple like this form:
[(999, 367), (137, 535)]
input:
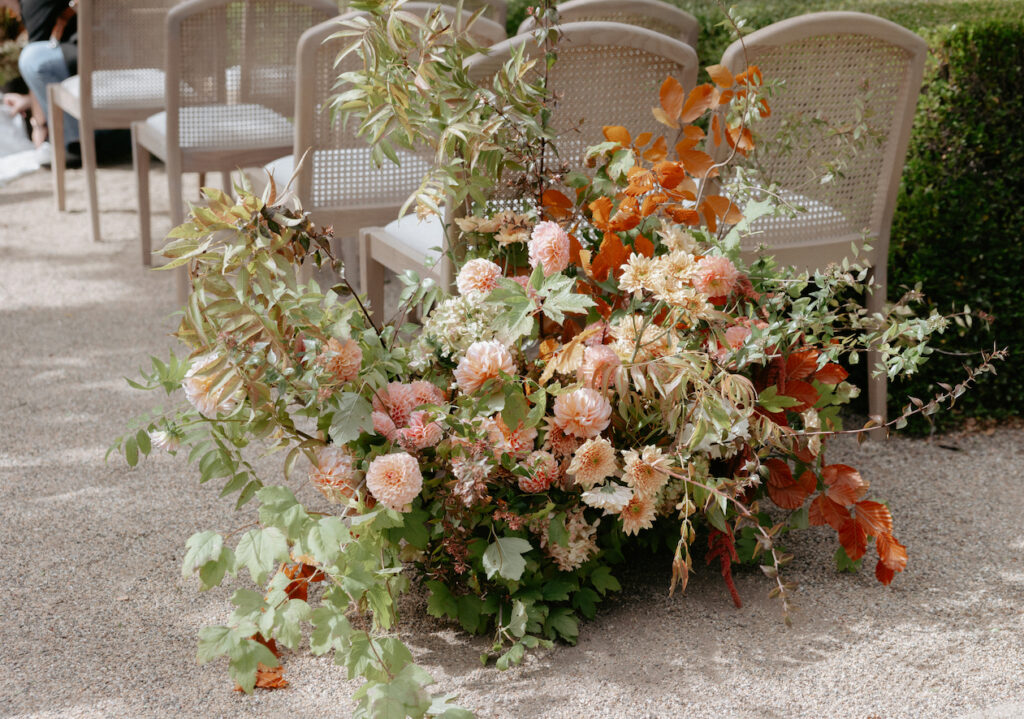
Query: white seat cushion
[(281, 170), (225, 127), (425, 236), (123, 89)]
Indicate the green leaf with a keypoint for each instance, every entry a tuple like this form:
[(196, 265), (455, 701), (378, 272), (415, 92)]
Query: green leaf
[(212, 573), (603, 580), (261, 550), (586, 601), (215, 642), (288, 620), (562, 621), (513, 656), (845, 564), (517, 623), (504, 557), (441, 603), (469, 612), (325, 538), (352, 416), (245, 659), (330, 630), (557, 533), (516, 407), (201, 548)]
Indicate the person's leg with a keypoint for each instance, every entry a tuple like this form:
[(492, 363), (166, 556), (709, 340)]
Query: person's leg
[(40, 64)]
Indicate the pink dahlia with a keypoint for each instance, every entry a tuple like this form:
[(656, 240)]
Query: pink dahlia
[(421, 432), (549, 244), (599, 365), (384, 425), (582, 413), (505, 440), (396, 400), (424, 392), (342, 359), (394, 480), (543, 469), (483, 361), (479, 275), (334, 473), (716, 276)]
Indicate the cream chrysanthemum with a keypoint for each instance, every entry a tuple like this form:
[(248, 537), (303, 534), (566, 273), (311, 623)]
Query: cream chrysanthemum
[(677, 239), (582, 413), (167, 440), (549, 245), (335, 474), (543, 471), (593, 462), (483, 361), (478, 277), (715, 276), (646, 471), (598, 366), (210, 392), (394, 480), (638, 274), (610, 497), (637, 515), (342, 359)]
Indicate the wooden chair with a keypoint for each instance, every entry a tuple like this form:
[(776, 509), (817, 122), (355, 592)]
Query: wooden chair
[(338, 183), (120, 80), (651, 14), (834, 66), (606, 74), (230, 88)]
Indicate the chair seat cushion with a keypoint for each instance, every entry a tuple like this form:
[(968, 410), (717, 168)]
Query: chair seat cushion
[(425, 236), (226, 127), (123, 89)]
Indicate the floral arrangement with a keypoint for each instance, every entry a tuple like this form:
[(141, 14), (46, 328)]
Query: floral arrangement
[(606, 373)]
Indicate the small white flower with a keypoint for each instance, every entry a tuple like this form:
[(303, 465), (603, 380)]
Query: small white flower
[(611, 498)]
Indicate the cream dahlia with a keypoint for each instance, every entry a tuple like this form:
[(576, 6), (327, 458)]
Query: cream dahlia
[(483, 361), (549, 245), (593, 462), (598, 366), (716, 276), (646, 471), (335, 474), (342, 359), (638, 274), (478, 276), (583, 412), (394, 480)]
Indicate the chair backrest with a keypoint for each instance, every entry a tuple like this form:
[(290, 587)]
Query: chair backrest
[(119, 35), (336, 172), (241, 53), (651, 14), (838, 67), (606, 74)]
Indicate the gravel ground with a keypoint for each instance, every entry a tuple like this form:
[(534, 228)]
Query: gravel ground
[(96, 620)]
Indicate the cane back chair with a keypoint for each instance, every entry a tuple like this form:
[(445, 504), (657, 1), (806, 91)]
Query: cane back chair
[(606, 74), (841, 68), (120, 79), (651, 14)]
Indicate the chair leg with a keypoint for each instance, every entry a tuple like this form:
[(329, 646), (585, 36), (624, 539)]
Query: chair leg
[(56, 121), (225, 180), (202, 183), (140, 160), (371, 275), (88, 143)]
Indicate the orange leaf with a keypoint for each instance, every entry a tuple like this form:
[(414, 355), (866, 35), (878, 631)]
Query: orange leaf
[(725, 209), (720, 75), (683, 215), (874, 517), (824, 511), (642, 139), (763, 108), (779, 473), (698, 101), (853, 539), (669, 174), (883, 573), (697, 163), (574, 250), (803, 392), (739, 138), (641, 181), (716, 129), (656, 152), (831, 374), (617, 133), (600, 212), (726, 97), (556, 204), (808, 481), (709, 216), (651, 203), (643, 246), (792, 496), (802, 364), (891, 553), (610, 257), (844, 484), (671, 96), (691, 136), (752, 75), (627, 216)]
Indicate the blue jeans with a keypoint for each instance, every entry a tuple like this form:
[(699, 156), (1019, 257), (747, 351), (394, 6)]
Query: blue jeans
[(40, 64)]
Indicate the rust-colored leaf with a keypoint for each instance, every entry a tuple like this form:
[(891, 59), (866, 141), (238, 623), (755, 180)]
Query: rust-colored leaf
[(671, 96), (803, 392), (641, 181), (853, 539), (617, 133), (627, 216), (883, 573), (643, 246), (656, 152), (874, 517), (683, 215), (642, 139), (669, 174), (699, 164), (779, 473), (891, 553), (824, 511), (600, 212), (709, 216), (792, 496), (716, 130), (752, 75), (651, 203), (556, 204), (844, 484), (802, 364), (698, 101), (609, 257), (720, 75), (725, 209), (691, 136), (831, 374)]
